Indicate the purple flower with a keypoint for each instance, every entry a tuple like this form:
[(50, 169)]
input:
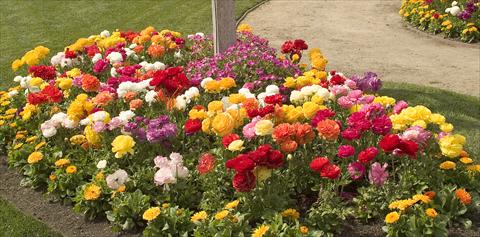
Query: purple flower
[(368, 83), (378, 174), (356, 170)]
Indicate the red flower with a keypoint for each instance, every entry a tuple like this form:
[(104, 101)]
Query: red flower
[(319, 163), (70, 54), (351, 134), (345, 151), (337, 80), (358, 120), (92, 50), (226, 140), (287, 47), (53, 93), (389, 142), (206, 162), (45, 72), (330, 171), (244, 181), (37, 98), (274, 99), (266, 110), (367, 155), (300, 44), (171, 79), (192, 126), (241, 163), (260, 155), (407, 147), (275, 159)]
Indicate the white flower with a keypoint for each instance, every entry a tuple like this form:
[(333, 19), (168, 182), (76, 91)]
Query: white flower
[(105, 34), (246, 92), (132, 46), (117, 179), (17, 79), (169, 169), (454, 3), (58, 118), (204, 81), (323, 92), (455, 10), (102, 164), (115, 57), (12, 93), (200, 34), (181, 102), (178, 54), (68, 123), (272, 89), (192, 92), (113, 72), (159, 66), (126, 115), (48, 129), (296, 96), (57, 59), (96, 57), (150, 96)]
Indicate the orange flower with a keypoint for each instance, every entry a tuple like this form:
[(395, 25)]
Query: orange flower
[(136, 104), (303, 133), (129, 96), (463, 196), (430, 194), (288, 146), (250, 104), (328, 129), (90, 83), (138, 48), (282, 132), (103, 98), (155, 51)]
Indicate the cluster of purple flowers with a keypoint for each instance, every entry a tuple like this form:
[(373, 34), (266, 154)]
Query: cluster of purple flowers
[(153, 130), (470, 8), (368, 83), (249, 59)]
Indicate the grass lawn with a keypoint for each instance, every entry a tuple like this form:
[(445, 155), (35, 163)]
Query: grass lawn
[(14, 223), (54, 24)]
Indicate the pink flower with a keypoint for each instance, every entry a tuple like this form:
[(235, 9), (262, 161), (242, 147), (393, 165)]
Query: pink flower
[(356, 170), (378, 174), (345, 151), (249, 129), (399, 106), (99, 126), (100, 66), (381, 125), (338, 90)]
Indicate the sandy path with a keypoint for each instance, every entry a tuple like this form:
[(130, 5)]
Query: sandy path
[(369, 35)]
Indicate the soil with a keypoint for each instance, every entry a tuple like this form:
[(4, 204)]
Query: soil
[(368, 35), (59, 217)]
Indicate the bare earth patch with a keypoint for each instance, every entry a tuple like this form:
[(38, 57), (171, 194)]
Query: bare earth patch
[(369, 35), (59, 217)]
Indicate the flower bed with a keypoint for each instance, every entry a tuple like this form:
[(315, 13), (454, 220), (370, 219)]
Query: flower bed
[(152, 131), (455, 19)]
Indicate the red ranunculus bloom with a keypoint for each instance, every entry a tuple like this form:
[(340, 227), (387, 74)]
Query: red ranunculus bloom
[(173, 80), (407, 147), (330, 171), (241, 163), (367, 155), (53, 93), (300, 44), (345, 151), (287, 47), (45, 72), (192, 126), (70, 54), (244, 181), (389, 142), (226, 140), (274, 99), (37, 98), (275, 159), (337, 80), (206, 163), (319, 163)]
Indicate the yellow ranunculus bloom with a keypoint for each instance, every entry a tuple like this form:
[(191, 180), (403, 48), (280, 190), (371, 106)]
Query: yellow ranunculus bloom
[(215, 105), (151, 213), (122, 145), (310, 109), (199, 216), (222, 124), (221, 214), (264, 127), (34, 157), (392, 217), (447, 165), (236, 145), (430, 212), (232, 204)]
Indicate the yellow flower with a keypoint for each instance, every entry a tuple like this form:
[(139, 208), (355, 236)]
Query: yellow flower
[(52, 177), (420, 123), (421, 197), (165, 205), (31, 139), (384, 100), (199, 216), (65, 83), (473, 168), (437, 119), (17, 64), (262, 173), (295, 57), (289, 82), (40, 145), (236, 145), (34, 157), (303, 229), (78, 139), (151, 213), (430, 212), (446, 127), (197, 114), (71, 169), (244, 28), (74, 72), (447, 165), (92, 136), (92, 192), (236, 98), (222, 124), (206, 123), (392, 217), (291, 213), (36, 81), (309, 109), (466, 160), (232, 205), (99, 176), (260, 231), (221, 215), (452, 145), (17, 146), (62, 162), (215, 105), (212, 86), (264, 127), (402, 204), (122, 145), (227, 83)]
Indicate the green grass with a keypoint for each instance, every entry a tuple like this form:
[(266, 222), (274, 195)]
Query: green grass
[(55, 24), (14, 223), (461, 110)]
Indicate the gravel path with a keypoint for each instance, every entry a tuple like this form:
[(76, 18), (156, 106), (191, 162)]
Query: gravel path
[(368, 35)]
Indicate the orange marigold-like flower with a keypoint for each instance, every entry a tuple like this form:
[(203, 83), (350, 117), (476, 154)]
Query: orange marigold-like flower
[(430, 194), (328, 129), (90, 83), (155, 51), (103, 98), (463, 196)]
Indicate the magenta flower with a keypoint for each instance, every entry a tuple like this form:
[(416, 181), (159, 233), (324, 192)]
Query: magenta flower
[(345, 151), (356, 170), (378, 174)]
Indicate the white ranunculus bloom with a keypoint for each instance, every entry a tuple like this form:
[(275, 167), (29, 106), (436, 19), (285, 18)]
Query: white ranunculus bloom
[(96, 57), (126, 115), (150, 96), (181, 102), (105, 33), (12, 93), (117, 179), (115, 57), (102, 164), (296, 96), (17, 79), (272, 89)]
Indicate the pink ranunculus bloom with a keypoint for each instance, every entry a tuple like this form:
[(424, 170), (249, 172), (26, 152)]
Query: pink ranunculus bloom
[(351, 84), (399, 106), (378, 174), (99, 126), (345, 151), (356, 170), (345, 102), (338, 90), (249, 129), (416, 134)]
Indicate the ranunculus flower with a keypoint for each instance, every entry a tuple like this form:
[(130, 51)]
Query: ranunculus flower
[(351, 134), (206, 163), (367, 155), (330, 171), (264, 127), (192, 126), (378, 174), (244, 181), (319, 163), (222, 124), (236, 145), (122, 145), (328, 129), (226, 140), (356, 170), (389, 142), (117, 179), (345, 151)]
